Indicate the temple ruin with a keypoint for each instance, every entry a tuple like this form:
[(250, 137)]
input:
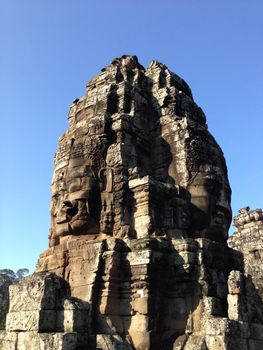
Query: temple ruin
[(138, 253)]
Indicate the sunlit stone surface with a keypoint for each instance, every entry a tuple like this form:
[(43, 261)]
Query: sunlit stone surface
[(140, 211)]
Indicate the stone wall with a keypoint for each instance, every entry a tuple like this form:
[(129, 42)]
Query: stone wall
[(248, 239)]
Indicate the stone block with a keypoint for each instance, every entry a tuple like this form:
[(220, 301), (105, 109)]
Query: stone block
[(125, 306), (8, 340), (256, 331), (80, 272), (140, 305), (221, 290), (111, 342), (216, 342), (186, 288), (35, 292), (73, 320), (74, 317), (142, 225), (177, 324), (88, 250), (60, 272), (236, 341), (53, 259), (196, 343), (255, 344), (109, 324), (46, 341), (176, 306), (234, 307), (243, 329), (104, 306), (40, 320), (235, 282), (226, 334), (139, 323), (180, 342), (82, 292), (139, 182), (139, 257), (216, 326), (140, 340), (137, 271), (34, 341), (114, 306), (213, 306), (118, 323), (188, 257)]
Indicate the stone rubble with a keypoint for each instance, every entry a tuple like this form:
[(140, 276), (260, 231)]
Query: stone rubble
[(140, 211), (248, 239)]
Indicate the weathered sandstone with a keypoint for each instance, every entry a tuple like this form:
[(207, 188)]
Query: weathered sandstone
[(140, 210)]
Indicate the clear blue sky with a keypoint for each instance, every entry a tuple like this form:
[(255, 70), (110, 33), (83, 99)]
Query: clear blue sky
[(51, 48)]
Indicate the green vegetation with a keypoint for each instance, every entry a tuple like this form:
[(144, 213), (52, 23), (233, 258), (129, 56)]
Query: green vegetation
[(7, 277)]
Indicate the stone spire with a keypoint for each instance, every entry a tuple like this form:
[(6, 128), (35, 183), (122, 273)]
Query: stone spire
[(137, 129), (140, 211)]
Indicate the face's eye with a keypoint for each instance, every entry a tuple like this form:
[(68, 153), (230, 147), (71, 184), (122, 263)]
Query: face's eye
[(67, 204)]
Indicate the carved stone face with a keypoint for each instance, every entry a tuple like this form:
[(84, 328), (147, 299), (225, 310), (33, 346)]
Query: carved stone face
[(211, 211), (71, 193), (135, 138)]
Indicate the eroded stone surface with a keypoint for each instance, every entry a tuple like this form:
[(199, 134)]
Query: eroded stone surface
[(136, 139), (248, 239), (140, 211)]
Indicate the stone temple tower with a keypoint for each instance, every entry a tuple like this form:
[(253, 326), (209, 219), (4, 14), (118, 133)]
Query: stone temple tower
[(140, 211)]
